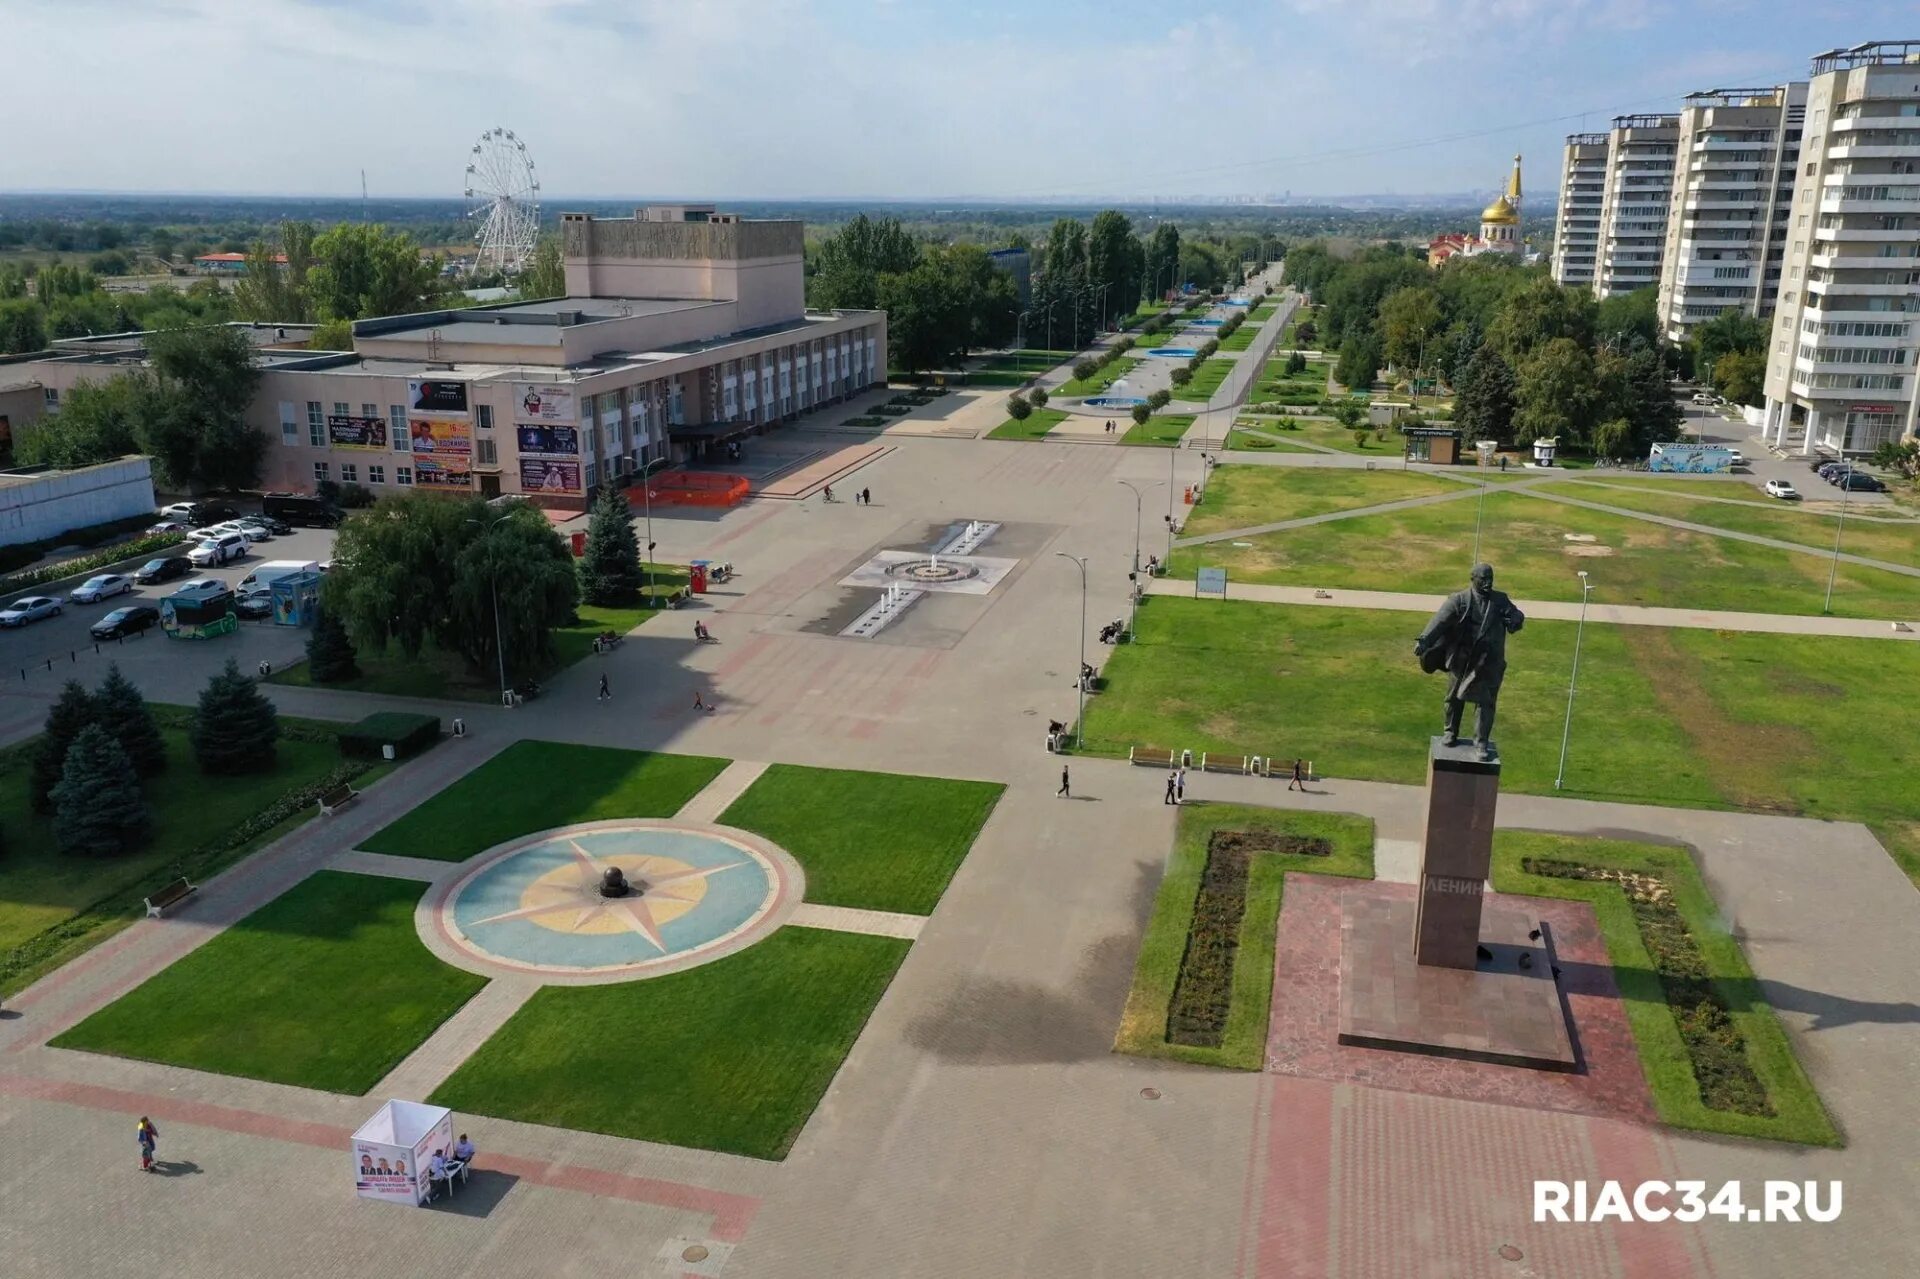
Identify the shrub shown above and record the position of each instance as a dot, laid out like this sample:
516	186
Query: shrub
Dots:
72	714
406	732
330	655
1160	398
135	549
1180	377
1037	397
88	535
234	728
1018	409
354	497
1209	347
1121	347
1084	368
1360	437
1203	990
98	808
1140	414
121	710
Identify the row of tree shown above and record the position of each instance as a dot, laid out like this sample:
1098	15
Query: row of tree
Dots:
348	272
39	305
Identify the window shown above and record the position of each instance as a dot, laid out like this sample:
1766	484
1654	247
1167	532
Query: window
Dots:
349	473
320	475
593	474
376	474
369	410
485	416
484	452
289	423
50	396
316	424
342	409
403	475
397	427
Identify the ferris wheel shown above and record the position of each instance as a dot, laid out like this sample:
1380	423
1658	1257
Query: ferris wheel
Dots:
506	199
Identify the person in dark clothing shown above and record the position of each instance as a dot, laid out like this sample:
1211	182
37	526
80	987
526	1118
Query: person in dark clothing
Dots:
1168	799
1299	777
1065	784
606	693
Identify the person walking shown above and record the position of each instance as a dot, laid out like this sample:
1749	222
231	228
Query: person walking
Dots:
149	1137
1168	799
1180	788
866	497
606	693
698	704
1066	783
1299	777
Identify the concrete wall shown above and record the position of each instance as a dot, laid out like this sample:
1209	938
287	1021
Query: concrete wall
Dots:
42	507
757	265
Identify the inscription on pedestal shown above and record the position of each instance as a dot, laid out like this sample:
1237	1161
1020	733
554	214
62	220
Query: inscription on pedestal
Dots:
1455	855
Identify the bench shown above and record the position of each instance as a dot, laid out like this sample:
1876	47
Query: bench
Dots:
336	799
173	891
1150	757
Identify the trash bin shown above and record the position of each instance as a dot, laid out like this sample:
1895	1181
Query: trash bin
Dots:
697	576
579	541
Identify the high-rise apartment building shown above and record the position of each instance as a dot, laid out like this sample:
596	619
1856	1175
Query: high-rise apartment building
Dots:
1576	226
1731	204
1840	363
1633	202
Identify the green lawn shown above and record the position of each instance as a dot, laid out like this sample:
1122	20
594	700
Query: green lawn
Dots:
1075	388
1035	427
1206	380
440	674
1239	496
731	1056
327	986
1241	338
52	906
1262	312
1631	561
1275	384
1143	1024
533	786
1798	1114
876	841
1159	432
1261	437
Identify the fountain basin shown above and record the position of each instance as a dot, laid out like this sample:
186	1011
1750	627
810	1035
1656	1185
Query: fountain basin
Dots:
1114	401
1180	352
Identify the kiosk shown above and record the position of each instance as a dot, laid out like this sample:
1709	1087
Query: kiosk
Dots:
393	1151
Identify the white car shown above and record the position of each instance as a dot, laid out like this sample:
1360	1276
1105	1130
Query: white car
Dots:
237	528
202	586
1782	490
218	550
1736	458
182	511
95	589
30	609
167	526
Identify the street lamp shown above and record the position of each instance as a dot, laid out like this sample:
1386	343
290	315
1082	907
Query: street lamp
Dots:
1479	512
1080	661
1566	731
1133	610
1020	337
1833	567
493	584
646	497
1170	455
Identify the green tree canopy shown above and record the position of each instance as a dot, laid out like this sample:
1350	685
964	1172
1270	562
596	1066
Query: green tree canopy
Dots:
1741	376
610	570
361	269
72	712
123	712
1483	403
1557	394
545	275
1731	330
234	727
98	809
330	655
1409	319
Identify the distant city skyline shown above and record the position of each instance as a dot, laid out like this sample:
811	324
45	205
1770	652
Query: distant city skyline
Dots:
869	99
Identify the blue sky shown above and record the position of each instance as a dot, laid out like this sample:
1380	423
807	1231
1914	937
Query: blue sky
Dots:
881	98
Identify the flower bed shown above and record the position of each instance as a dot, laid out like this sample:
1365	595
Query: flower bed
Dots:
1203	992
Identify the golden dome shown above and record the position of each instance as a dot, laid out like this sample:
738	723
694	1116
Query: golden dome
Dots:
1500	211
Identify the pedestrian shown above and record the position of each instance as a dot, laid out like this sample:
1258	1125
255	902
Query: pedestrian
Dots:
866	497
1299	777
1180	788
1170	784
1065	784
148	1136
606	693
698	704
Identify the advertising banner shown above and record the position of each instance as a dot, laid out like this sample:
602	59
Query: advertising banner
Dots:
540	476
541	403
549	441
437	399
433	437
381	1171
444	472
357	432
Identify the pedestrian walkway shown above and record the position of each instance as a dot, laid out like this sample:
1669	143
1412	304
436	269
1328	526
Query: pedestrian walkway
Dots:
718	795
1564	611
457	1038
1328	517
846	919
388	866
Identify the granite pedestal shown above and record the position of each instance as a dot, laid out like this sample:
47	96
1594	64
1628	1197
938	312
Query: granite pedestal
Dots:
1456	854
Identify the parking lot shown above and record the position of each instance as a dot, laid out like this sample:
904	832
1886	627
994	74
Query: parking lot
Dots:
39	656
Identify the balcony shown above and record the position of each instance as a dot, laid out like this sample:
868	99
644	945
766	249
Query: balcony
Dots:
1868	151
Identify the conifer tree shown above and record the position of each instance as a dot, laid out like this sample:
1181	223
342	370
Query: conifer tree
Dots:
610	569
234	728
65	722
124	713
98	809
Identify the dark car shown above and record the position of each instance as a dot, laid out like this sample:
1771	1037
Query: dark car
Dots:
205	513
164	570
277	527
257	602
130	620
1860	482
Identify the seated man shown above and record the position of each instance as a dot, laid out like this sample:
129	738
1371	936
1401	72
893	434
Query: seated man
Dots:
463	1150
438	1168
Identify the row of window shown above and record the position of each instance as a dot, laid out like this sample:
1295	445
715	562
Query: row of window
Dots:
1857	381
1853	354
350	473
1857	328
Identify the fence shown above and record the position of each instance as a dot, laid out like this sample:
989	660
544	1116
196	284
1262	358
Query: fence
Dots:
693	488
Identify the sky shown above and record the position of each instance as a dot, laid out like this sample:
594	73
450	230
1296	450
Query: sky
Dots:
883	99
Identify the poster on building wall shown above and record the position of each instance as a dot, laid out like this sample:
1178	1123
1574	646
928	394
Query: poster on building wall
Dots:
436	399
442	472
549	441
537	475
543	403
357	432
437	438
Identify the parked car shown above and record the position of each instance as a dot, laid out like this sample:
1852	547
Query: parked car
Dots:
1860	482
167	526
104	586
1736	458
218	550
30	608
202	586
212	512
1782	490
277	527
233	526
130	620
1702	397
257	602
182	511
1827	470
300	508
164	569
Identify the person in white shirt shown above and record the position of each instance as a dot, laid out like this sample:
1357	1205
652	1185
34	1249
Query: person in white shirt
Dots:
463	1150
438	1168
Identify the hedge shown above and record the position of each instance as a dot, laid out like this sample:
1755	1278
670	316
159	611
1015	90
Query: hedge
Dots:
407	732
136	549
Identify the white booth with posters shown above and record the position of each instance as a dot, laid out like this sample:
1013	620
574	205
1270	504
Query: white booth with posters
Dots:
393	1151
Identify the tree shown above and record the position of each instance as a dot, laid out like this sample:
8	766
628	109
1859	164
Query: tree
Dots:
545	275
123	712
22	326
1017	407
1613	439
1538	314
847	269
393	569
331	335
1180	376
1557	393
1113	260
1741	376
1627	320
361	269
98	809
1409	318
196	428
1359	361
520	566
98	421
1646	400
1484	398
1141	413
1901	457
610	570
275	289
72	713
926	316
1038	397
1162	260
234	727
330	655
1349	414
1731	330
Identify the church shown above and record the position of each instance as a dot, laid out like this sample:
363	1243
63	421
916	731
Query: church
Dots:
1499	229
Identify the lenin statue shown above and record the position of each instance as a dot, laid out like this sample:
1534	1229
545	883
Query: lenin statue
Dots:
1467	638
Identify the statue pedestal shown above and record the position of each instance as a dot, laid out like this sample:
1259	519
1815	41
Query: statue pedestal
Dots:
1456	854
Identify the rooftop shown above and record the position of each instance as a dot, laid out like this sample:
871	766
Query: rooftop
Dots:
1874	53
535	323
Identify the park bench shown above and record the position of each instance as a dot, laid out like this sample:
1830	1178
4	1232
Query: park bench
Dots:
1150	757
336	799
173	891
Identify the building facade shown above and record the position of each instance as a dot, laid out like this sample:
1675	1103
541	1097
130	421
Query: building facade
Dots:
1634	202
682	329
1576	223
1499	229
1840	363
1731	204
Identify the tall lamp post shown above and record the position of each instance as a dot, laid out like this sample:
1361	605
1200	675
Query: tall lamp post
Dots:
1833	568
646	496
493	584
1080	658
1566	731
1133	608
1170	487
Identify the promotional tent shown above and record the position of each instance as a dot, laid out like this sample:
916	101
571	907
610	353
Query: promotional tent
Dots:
393	1151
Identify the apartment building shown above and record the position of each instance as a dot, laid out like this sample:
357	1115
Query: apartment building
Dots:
1732	201
1634	202
1576	226
1840	367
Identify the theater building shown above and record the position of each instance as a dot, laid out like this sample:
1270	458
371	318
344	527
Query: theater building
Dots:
682	329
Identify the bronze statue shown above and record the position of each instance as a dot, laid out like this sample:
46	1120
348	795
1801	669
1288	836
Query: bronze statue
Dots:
1467	638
